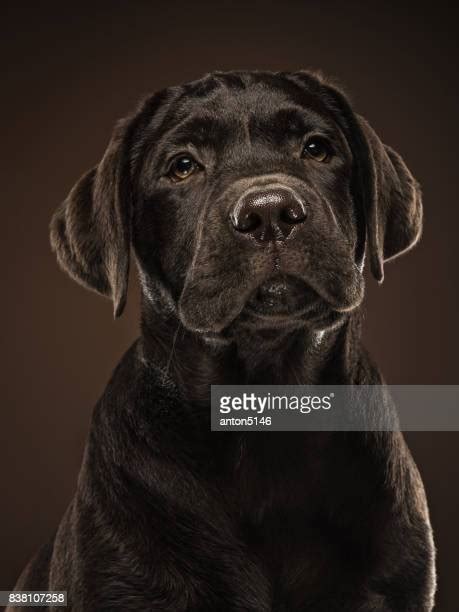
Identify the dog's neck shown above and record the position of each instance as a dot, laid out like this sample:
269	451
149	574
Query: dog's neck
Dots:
195	362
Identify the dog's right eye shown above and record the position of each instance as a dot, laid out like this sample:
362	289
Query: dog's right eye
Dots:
182	167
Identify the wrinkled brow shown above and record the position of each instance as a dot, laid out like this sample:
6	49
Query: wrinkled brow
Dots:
199	130
294	121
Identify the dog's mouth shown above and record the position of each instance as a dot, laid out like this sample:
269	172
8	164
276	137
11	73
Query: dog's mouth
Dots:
293	289
282	296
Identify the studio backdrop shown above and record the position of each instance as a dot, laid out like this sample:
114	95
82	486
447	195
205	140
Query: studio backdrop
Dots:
69	72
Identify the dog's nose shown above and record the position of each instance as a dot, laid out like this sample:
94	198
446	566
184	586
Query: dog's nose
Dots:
268	214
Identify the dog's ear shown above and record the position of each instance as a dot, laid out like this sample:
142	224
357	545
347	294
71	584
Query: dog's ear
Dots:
90	231
388	194
393	207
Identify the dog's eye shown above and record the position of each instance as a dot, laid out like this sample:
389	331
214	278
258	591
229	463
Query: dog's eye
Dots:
318	149
182	167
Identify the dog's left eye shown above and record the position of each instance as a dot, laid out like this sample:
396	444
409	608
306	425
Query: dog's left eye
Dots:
318	149
182	167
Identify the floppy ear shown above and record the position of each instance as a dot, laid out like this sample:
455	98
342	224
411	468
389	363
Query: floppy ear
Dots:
90	231
388	195
393	206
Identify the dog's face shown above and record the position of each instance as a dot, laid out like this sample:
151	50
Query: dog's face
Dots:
248	198
244	207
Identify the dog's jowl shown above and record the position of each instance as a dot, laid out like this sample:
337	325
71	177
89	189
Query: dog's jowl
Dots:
251	203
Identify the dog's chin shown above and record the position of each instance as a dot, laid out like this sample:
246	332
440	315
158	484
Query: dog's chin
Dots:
282	296
286	302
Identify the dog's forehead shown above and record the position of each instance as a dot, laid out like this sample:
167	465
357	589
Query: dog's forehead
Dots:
219	101
243	93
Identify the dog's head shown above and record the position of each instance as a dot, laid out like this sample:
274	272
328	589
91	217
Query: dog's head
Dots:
249	199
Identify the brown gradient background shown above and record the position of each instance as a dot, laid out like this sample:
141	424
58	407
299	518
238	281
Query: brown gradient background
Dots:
67	77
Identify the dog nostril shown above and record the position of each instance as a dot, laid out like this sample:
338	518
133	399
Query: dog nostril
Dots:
246	223
292	215
268	214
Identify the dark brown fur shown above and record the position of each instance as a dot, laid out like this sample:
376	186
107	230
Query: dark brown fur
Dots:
168	516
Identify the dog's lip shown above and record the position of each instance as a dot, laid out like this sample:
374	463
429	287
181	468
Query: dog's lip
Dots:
254	320
282	320
283	315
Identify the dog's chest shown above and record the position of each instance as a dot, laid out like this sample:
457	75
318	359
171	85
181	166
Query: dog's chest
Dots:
278	495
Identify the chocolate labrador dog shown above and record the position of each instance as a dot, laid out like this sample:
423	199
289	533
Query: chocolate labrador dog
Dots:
250	201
